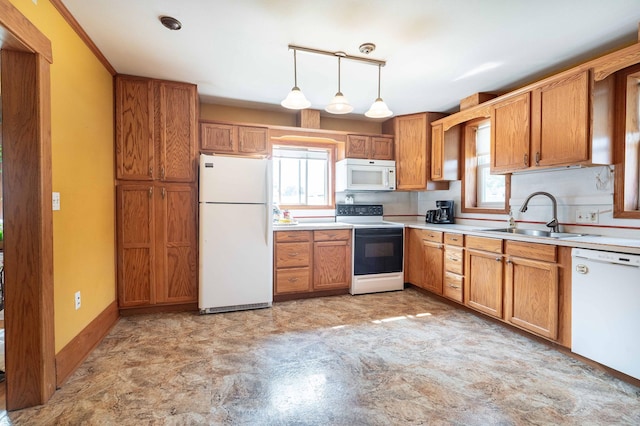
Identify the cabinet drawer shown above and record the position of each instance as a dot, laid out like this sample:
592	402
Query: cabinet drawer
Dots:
292	280
544	252
493	245
453	259
332	235
293	236
292	254
453	286
433	236
454	239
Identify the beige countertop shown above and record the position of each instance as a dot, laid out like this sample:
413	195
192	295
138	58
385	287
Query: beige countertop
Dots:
594	242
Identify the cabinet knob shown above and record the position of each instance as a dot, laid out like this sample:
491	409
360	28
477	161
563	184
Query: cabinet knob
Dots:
509	261
498	259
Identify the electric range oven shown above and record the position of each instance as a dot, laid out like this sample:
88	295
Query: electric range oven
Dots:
377	249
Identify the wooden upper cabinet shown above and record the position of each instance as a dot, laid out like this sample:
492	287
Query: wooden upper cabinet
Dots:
227	138
369	147
218	137
252	140
445	152
412	146
156	130
437	152
177	131
510	134
560	119
134	111
357	147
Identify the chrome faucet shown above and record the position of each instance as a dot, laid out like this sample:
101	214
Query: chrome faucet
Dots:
553	224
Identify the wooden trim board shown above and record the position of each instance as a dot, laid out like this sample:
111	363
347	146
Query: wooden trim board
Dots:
77	350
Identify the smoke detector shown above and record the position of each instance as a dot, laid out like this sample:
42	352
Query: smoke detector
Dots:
367	48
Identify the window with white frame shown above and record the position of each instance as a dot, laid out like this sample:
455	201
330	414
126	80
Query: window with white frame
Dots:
302	176
482	192
490	188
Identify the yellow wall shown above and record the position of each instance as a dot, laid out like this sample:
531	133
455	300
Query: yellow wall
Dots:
83	172
284	118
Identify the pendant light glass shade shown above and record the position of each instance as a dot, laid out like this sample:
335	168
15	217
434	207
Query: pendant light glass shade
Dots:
295	99
339	104
378	109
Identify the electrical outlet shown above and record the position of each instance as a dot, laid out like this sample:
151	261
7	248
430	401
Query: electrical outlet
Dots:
586	216
77	299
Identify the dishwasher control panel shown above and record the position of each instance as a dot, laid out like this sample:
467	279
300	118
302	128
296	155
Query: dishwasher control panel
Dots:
606	256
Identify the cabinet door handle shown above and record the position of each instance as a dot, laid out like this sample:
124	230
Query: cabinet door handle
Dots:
151	171
526	160
498	259
293	254
509	261
150	191
293	280
538	158
453	259
162	172
454	286
454	239
163	193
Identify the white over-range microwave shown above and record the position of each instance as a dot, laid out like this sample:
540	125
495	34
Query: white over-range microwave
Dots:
353	174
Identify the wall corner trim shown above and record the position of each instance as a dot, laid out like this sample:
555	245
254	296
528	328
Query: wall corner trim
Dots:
78	349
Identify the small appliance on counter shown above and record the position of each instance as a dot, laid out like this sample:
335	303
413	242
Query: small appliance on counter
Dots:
444	213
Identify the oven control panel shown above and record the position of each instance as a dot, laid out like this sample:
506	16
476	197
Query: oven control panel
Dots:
358	209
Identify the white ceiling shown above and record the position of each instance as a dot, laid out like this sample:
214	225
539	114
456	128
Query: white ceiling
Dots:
437	51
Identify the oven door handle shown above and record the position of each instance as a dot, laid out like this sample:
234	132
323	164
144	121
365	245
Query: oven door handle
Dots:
378	232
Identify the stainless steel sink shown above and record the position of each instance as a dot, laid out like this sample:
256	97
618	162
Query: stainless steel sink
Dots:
535	233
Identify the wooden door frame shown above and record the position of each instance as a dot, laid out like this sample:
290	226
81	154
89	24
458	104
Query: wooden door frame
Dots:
28	249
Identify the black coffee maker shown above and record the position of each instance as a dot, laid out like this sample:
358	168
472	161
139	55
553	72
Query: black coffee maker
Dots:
444	212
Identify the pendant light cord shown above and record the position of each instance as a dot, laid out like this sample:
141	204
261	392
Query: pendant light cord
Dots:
379	81
295	70
339	74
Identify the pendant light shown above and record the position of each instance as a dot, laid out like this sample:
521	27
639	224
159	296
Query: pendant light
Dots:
295	99
339	104
378	109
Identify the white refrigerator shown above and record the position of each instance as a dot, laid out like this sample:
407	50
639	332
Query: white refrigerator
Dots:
235	238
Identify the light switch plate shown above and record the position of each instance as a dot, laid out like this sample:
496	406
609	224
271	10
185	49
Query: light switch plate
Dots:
56	200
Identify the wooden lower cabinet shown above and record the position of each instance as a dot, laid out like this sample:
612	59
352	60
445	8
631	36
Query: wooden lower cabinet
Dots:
424	266
433	266
484	266
454	267
312	261
525	284
531	287
157	244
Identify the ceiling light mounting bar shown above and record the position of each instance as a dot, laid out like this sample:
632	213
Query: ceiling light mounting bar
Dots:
338	54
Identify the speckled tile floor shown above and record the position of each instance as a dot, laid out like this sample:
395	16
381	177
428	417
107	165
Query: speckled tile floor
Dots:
380	359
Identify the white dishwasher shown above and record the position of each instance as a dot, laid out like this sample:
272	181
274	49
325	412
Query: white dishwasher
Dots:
605	303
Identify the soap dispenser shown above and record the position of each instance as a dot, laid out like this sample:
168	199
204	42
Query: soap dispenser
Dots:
511	223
